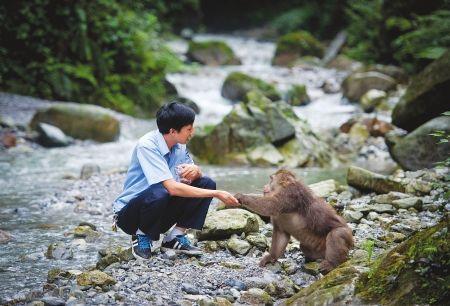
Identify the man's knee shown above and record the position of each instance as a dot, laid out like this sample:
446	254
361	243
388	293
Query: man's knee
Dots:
207	183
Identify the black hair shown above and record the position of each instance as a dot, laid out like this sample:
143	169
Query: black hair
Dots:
174	115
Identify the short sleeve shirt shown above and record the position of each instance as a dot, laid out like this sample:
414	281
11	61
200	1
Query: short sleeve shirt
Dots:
151	162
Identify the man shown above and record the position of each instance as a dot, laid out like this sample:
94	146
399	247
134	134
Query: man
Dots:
164	187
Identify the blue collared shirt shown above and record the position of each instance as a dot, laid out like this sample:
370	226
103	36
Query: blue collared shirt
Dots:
151	162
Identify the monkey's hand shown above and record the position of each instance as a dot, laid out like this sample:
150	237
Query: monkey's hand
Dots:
267	258
239	197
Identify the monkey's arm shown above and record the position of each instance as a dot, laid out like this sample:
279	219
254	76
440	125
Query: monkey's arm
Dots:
265	206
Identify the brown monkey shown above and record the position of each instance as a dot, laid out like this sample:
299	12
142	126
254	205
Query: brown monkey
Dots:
296	211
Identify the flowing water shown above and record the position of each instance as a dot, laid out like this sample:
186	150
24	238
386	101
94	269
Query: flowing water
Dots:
32	181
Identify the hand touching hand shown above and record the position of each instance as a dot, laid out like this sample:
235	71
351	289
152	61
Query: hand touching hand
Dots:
189	172
227	198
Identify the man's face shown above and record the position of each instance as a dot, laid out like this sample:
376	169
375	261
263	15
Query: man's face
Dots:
185	134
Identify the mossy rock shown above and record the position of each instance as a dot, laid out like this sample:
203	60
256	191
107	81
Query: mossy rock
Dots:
95	278
419	149
358	83
293	46
297	96
81	121
212	53
415	272
238	84
426	97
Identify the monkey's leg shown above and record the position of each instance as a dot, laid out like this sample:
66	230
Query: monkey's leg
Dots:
337	247
280	240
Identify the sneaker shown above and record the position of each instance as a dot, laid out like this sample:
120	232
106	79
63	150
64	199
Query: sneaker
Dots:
181	244
141	246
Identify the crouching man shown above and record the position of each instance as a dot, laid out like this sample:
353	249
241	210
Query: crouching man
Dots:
164	187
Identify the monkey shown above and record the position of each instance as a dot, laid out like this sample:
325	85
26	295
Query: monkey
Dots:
296	211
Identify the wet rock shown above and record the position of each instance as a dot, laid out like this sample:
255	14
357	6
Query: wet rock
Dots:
379	208
224	223
189	288
59	251
89	170
239	285
85	231
406	203
82	121
367	180
95	278
255	296
265	155
418	149
390	197
293	46
258	240
5	237
212	53
393	237
282	288
426	96
358	83
53	301
297	96
260	282
238	246
237	85
51	136
371	99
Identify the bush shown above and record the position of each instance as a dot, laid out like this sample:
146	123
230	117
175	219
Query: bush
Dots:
102	52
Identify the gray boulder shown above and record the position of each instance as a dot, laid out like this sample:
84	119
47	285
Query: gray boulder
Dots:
427	97
357	84
81	121
59	251
51	136
419	149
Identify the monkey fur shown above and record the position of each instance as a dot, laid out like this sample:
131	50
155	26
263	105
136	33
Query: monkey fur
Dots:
295	211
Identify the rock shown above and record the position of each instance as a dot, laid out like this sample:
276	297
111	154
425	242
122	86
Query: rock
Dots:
282	288
358	83
59	251
189	288
371	99
367	180
352	216
258	240
264	156
379	208
294	154
406	203
224	223
212	53
375	126
189	103
89	170
238	246
342	62
171	90
297	96
426	96
255	296
393	237
419	149
260	282
311	268
221	301
293	46
237	85
397	73
53	301
170	255
80	121
51	136
85	232
359	133
289	266
239	285
412	273
9	140
324	188
231	265
331	86
5	237
390	197
95	278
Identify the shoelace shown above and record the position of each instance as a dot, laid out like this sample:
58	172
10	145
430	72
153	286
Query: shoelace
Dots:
184	240
144	242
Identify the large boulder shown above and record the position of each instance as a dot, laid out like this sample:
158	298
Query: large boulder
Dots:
80	121
426	97
358	83
265	124
212	53
419	149
293	46
297	96
238	84
223	224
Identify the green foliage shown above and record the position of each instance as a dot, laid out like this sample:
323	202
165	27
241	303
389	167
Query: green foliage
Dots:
387	32
368	245
104	52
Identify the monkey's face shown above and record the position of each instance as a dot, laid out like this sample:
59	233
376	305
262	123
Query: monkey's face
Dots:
272	187
278	182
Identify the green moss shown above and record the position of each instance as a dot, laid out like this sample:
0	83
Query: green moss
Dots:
415	272
238	84
212	53
295	45
297	95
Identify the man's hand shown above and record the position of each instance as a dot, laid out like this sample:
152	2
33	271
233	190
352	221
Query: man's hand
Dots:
227	198
190	172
